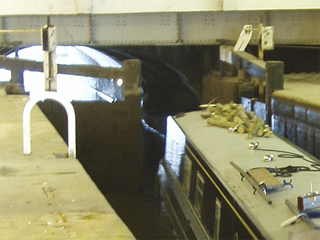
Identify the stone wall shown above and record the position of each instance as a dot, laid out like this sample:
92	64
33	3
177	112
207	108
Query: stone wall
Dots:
298	122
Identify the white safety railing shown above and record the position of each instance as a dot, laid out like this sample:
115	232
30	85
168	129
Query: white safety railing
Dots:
71	122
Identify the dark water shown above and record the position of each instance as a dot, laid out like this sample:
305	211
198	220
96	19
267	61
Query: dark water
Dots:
145	216
144	213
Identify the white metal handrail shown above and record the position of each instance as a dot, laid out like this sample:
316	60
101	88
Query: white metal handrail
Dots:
71	122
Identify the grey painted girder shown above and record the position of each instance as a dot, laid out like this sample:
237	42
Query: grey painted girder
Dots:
199	28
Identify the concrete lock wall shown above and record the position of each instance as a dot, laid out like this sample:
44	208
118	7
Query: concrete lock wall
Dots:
109	140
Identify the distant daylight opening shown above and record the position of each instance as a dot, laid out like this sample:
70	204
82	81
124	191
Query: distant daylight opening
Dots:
74	88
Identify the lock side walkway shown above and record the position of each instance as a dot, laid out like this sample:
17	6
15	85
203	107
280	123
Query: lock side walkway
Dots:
46	195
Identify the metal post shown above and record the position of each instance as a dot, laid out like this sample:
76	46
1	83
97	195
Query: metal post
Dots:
260	56
49	44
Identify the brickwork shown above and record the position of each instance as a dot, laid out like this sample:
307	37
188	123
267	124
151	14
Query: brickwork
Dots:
279	125
299	123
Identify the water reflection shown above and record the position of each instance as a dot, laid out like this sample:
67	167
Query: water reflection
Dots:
175	145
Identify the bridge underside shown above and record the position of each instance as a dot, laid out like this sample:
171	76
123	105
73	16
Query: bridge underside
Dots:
166	28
